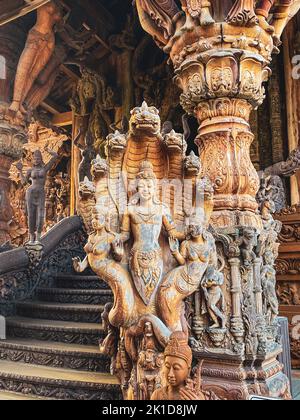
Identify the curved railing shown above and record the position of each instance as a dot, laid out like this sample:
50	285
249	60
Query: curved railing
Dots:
22	270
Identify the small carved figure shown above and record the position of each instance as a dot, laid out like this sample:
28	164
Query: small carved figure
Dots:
86	203
248	243
194	257
267	210
268	277
36	55
211	286
178	364
35	195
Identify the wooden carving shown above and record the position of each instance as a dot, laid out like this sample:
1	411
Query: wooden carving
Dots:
221	65
38	51
128	246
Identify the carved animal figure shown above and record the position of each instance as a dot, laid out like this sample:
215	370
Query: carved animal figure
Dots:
145	143
87	203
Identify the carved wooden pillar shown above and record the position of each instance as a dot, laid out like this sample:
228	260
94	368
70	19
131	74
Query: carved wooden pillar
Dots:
221	85
221	67
12	134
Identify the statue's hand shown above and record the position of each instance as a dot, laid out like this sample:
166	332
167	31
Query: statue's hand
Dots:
77	264
174	245
19	166
51	152
118	248
190	395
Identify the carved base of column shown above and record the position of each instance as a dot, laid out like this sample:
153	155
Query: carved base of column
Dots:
235	379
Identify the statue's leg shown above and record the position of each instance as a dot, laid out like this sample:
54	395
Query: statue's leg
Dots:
170	301
40	220
262	10
32	218
281	17
213	314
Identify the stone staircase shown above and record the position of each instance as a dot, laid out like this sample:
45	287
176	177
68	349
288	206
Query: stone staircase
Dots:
52	350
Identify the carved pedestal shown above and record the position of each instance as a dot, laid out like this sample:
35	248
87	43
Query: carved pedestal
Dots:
288	277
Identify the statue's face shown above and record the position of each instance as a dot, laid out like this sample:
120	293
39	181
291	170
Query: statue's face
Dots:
98	222
146	189
195	231
37	159
177	371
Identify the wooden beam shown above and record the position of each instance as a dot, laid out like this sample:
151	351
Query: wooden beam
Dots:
28	7
68	72
63	120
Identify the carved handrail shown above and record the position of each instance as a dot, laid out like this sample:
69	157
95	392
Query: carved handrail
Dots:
24	269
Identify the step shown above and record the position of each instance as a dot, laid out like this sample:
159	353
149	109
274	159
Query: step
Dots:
62	384
85	297
14	396
62	355
61	311
71	281
59	331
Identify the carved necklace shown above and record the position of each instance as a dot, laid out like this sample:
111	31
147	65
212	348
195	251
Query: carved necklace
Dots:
197	248
146	217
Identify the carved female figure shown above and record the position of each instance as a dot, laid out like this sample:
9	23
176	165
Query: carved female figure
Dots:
194	257
35	195
211	286
268	277
37	53
103	256
144	219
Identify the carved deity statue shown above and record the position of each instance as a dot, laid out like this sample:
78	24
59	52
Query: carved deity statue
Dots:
35	195
145	218
103	256
194	256
132	254
178	364
38	51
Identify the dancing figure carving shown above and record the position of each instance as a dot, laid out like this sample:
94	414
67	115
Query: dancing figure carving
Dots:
35	194
194	257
